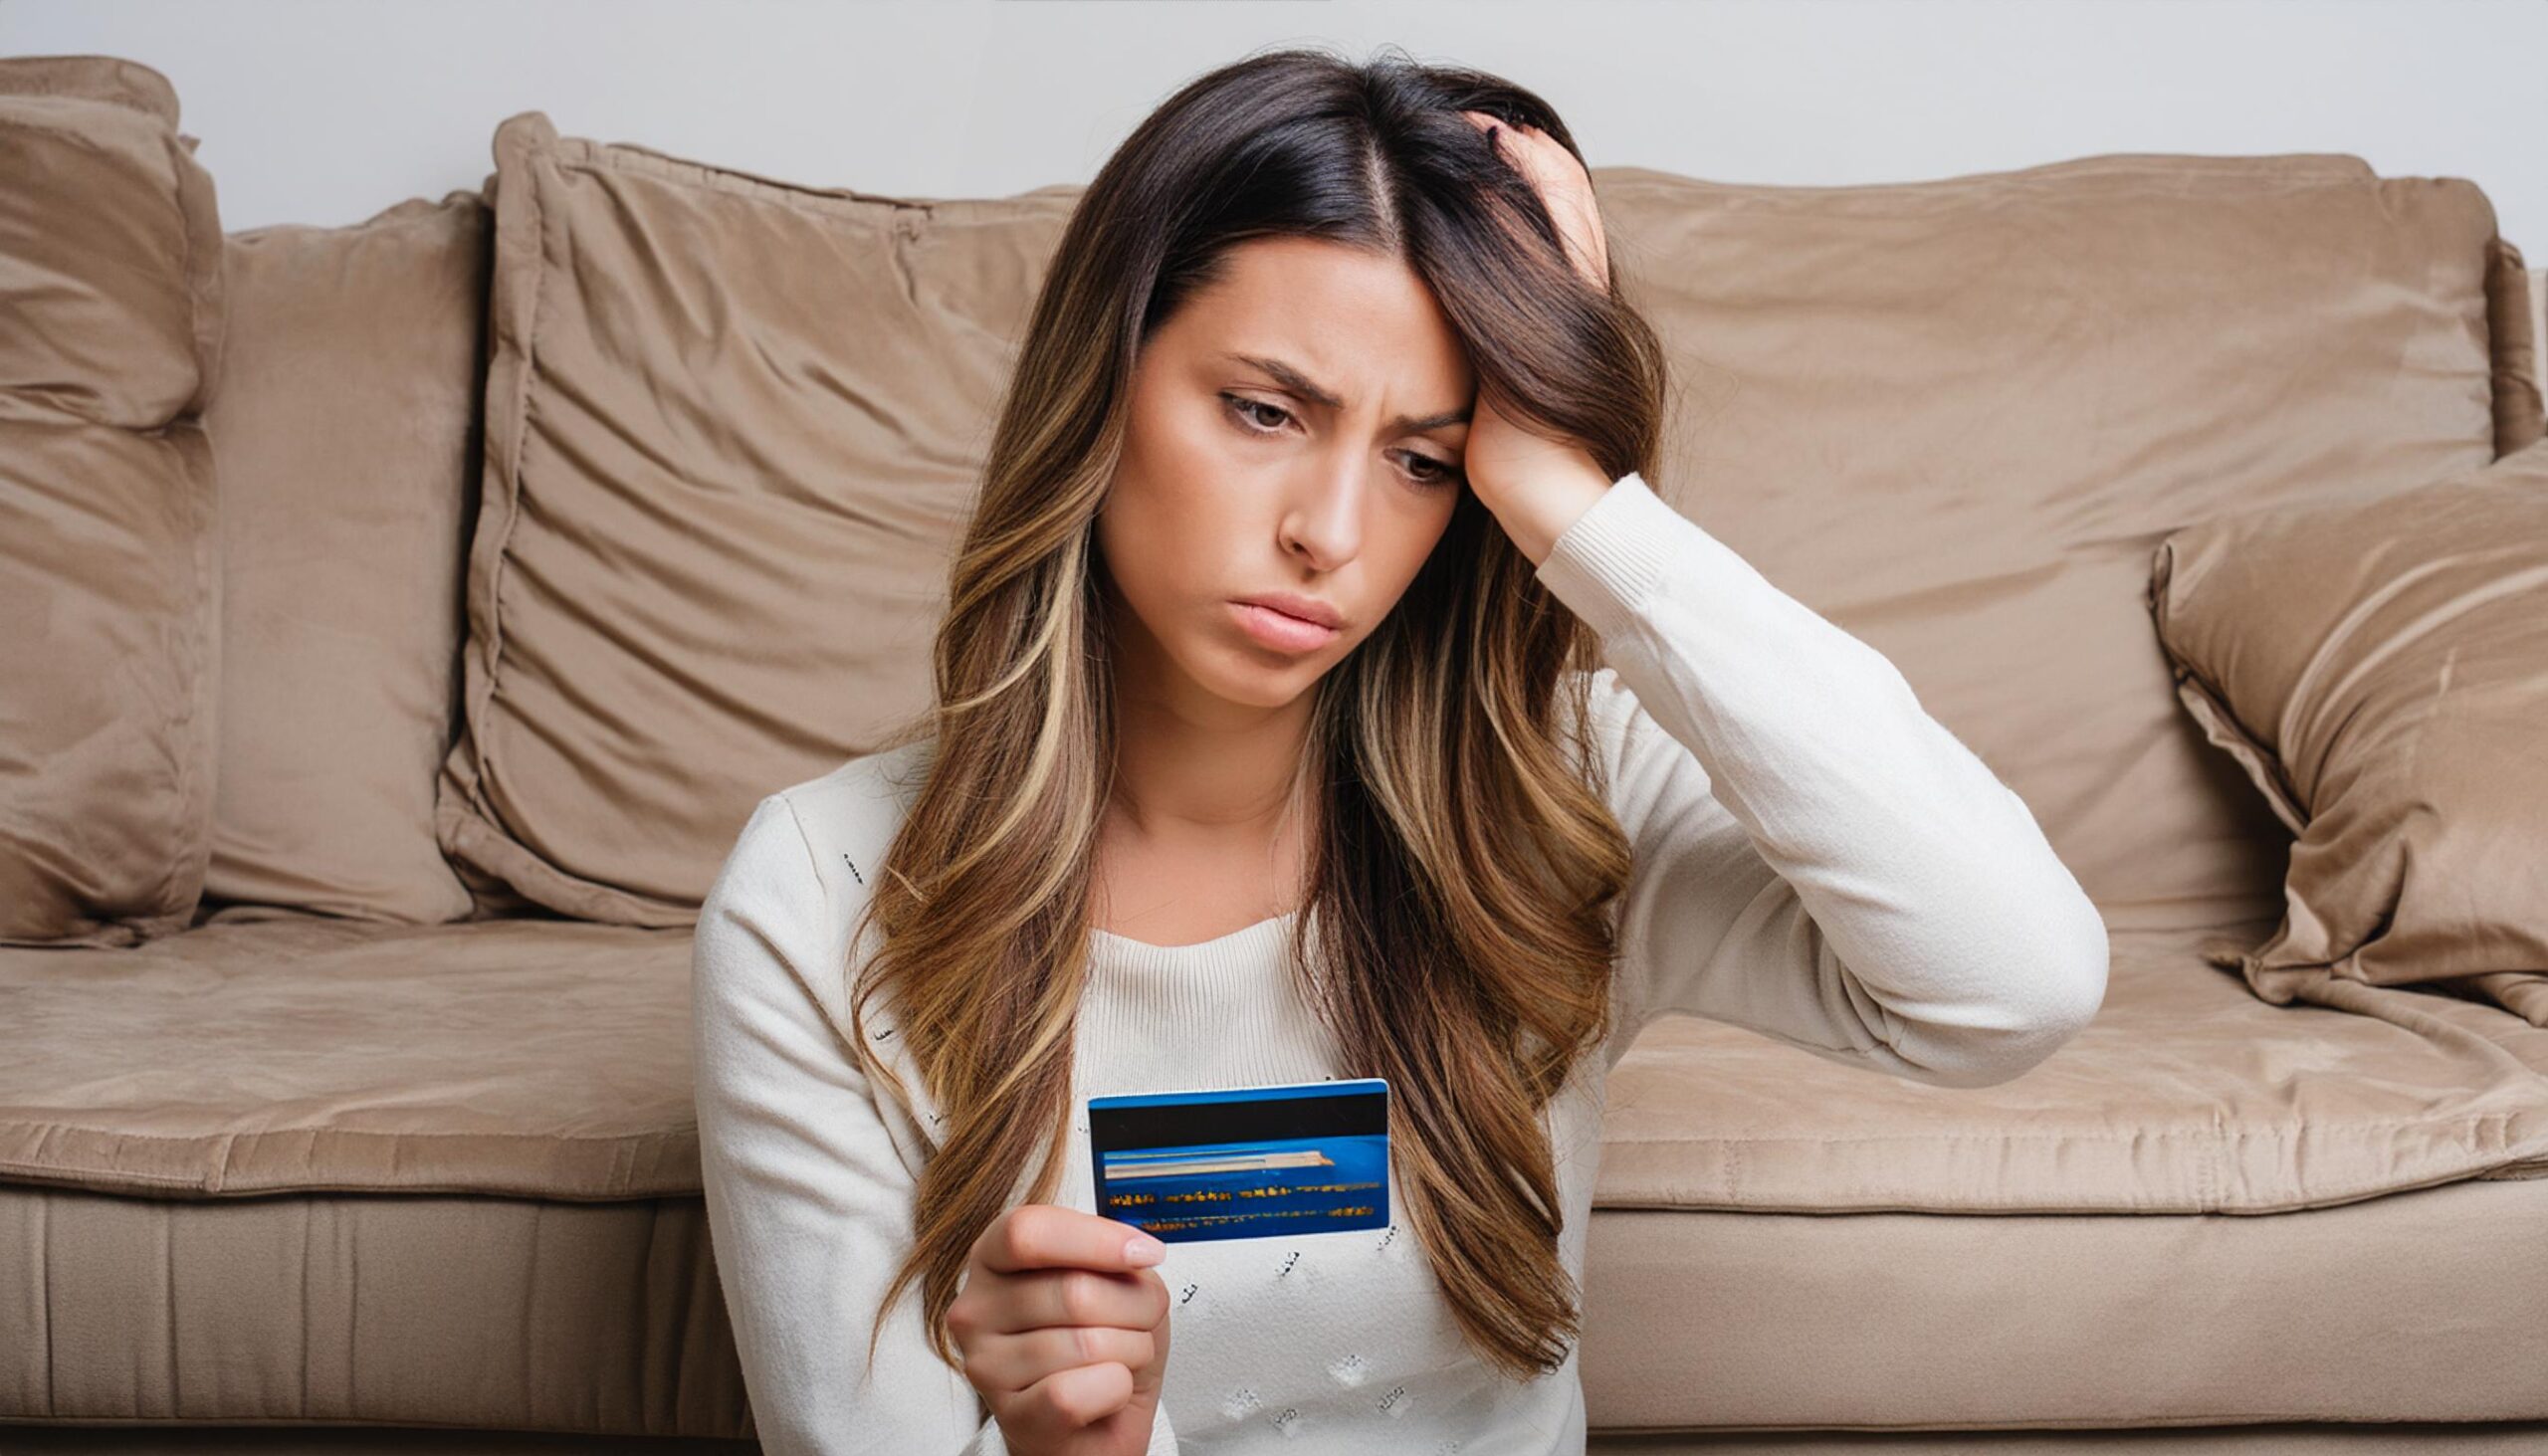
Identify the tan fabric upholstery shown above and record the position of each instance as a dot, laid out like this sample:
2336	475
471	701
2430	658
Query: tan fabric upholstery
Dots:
339	1169
733	429
420	1309
2402	1308
1956	416
2538	291
607	1318
2380	670
541	1058
549	1059
2512	324
347	433
2003	458
2185	1094
110	262
522	1088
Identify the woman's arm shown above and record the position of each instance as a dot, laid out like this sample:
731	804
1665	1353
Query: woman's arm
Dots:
1816	859
809	1201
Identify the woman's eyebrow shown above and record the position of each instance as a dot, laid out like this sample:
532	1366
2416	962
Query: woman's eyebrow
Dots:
1301	384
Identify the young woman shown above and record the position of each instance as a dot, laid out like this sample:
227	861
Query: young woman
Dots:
1322	693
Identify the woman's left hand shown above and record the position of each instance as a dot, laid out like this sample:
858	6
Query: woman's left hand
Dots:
1534	486
1564	188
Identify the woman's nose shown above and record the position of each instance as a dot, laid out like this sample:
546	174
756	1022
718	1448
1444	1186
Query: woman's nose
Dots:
1323	517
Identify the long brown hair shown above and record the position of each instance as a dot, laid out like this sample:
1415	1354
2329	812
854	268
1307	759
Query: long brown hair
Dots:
1464	858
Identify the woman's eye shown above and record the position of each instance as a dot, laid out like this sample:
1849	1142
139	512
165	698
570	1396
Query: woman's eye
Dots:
1427	469
1242	405
1433	471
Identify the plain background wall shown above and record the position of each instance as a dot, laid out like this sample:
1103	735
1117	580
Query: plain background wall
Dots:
327	112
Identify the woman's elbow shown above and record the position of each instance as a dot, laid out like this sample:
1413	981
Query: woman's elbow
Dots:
2059	987
2081	953
2066	994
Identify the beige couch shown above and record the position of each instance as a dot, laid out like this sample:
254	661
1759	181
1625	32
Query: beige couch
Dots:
401	619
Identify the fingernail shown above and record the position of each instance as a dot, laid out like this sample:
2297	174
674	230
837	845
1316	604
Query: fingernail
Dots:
1142	1249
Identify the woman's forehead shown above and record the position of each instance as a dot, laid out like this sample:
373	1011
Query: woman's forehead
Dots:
1359	326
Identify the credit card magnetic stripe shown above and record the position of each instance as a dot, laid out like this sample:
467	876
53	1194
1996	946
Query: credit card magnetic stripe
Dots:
1244	1161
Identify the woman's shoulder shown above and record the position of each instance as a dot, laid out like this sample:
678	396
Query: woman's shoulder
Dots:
805	863
773	947
849	814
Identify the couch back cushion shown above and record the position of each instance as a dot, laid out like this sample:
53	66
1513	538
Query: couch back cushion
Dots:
2512	327
1956	417
733	432
110	262
733	428
346	429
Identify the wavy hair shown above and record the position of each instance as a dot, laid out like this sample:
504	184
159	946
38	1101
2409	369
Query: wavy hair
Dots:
1463	859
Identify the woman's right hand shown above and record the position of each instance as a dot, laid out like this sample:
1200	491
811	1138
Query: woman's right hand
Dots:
1064	1330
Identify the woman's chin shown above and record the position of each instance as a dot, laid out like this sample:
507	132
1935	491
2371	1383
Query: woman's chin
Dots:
1254	676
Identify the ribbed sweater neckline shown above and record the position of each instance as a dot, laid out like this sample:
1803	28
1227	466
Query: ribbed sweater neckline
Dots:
1248	946
1150	1007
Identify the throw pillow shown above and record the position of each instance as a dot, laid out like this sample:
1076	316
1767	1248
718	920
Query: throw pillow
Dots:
733	430
348	434
2380	670
110	265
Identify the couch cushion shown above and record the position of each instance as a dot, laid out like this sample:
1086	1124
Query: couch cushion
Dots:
733	430
2186	1095
347	432
525	1314
110	260
422	1309
542	1057
546	1060
2419	1306
549	1057
1955	417
1952	415
2513	329
1720	1292
2380	672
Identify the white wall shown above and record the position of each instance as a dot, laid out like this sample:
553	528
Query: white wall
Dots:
327	111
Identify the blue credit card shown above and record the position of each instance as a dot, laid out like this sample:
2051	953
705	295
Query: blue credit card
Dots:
1244	1162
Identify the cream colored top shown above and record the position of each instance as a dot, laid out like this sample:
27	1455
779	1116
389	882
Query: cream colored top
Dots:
1816	859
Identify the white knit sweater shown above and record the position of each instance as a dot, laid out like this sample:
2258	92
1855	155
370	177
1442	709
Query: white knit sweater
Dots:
1816	859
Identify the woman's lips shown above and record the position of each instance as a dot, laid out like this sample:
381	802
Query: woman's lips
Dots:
1280	630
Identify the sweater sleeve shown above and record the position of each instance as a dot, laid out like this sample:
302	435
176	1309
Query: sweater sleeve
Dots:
809	1200
1815	858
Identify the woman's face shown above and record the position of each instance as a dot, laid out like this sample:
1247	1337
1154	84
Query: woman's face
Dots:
1295	428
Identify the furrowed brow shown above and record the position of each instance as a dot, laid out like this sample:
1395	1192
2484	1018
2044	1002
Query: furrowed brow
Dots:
1302	385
